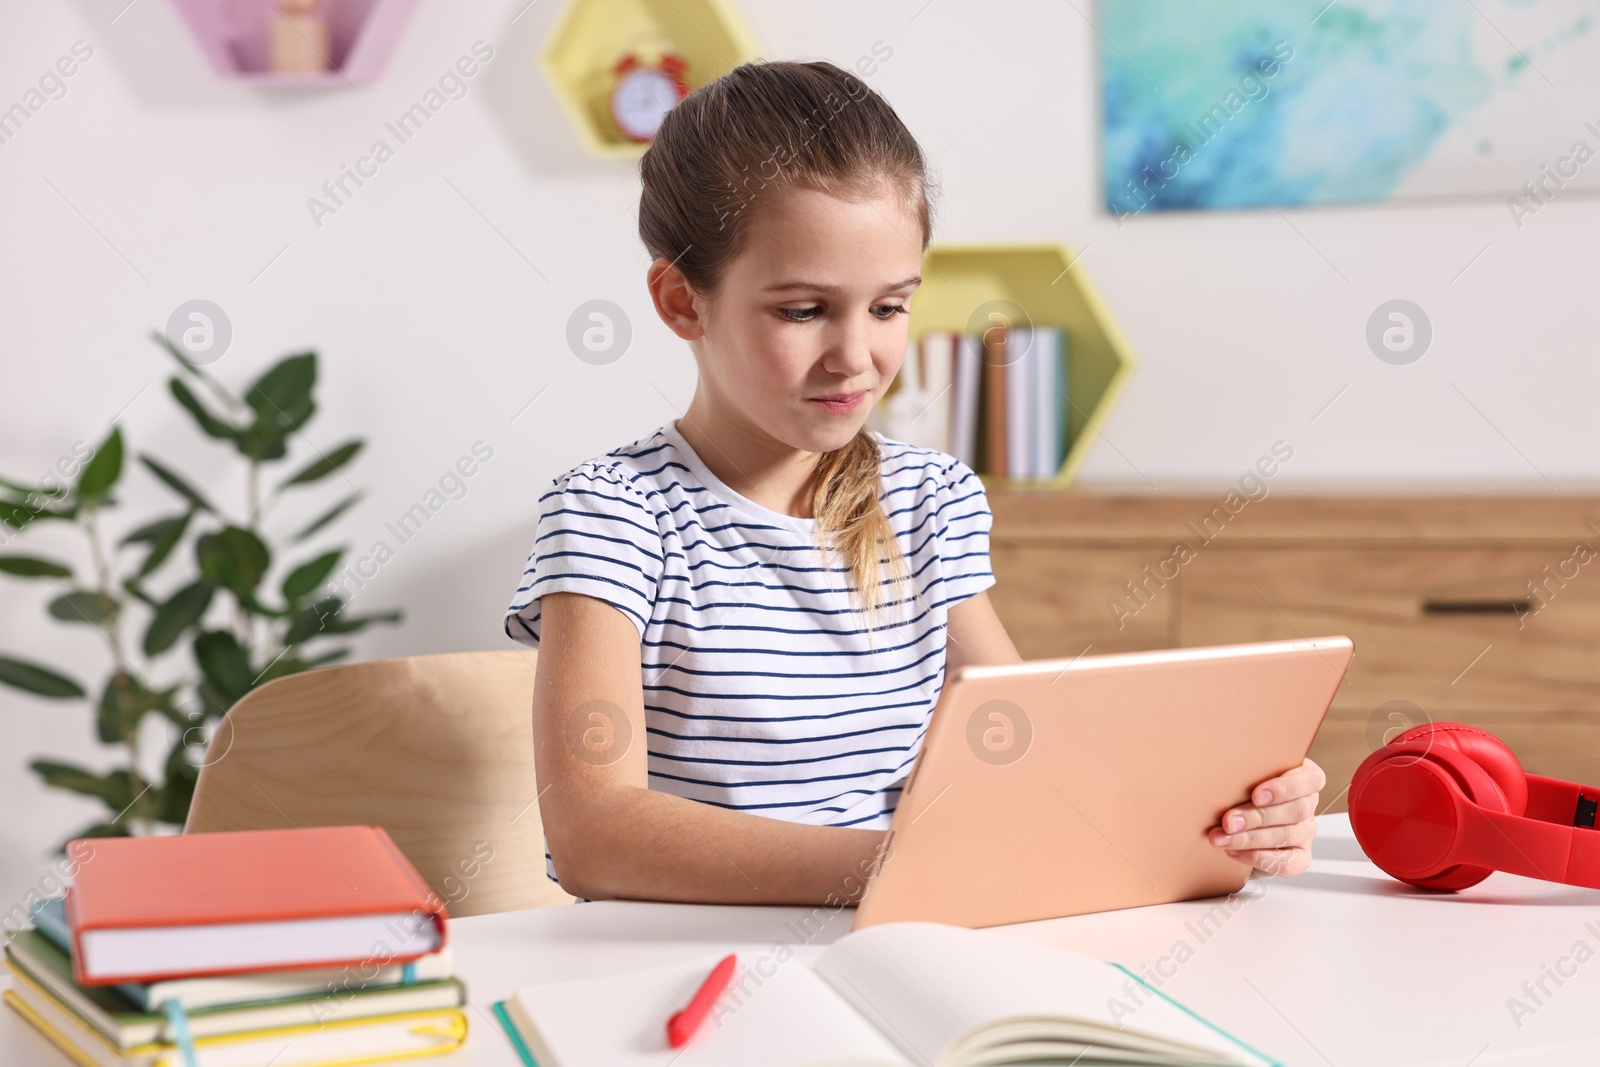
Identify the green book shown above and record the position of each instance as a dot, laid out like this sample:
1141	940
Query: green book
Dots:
125	1025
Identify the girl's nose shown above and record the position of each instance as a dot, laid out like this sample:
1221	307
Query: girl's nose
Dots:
849	352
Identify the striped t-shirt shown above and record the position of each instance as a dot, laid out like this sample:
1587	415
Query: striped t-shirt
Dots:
763	692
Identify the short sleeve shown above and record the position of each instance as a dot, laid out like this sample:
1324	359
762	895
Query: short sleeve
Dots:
962	520
597	535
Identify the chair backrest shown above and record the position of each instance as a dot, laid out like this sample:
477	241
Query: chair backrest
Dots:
437	750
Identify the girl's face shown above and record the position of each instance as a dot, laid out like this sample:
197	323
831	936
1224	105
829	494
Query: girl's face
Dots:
810	324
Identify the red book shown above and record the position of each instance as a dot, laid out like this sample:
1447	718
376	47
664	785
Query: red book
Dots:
148	908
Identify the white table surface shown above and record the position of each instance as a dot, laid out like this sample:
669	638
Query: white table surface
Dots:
1338	966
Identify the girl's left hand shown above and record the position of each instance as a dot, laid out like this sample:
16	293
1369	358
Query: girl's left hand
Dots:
1273	833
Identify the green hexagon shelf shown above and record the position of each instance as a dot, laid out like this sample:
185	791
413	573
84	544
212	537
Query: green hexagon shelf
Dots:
590	36
1052	288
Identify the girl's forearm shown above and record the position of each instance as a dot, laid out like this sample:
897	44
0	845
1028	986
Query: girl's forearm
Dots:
644	844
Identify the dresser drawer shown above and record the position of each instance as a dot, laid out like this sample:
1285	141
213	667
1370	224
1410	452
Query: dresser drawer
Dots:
1433	626
1053	600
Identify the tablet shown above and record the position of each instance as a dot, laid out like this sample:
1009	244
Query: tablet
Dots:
1059	787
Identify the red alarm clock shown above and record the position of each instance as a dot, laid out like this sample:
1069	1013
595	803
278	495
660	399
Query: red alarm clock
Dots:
648	86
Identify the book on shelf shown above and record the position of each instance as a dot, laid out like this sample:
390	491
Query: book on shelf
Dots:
996	401
892	995
1048	392
964	400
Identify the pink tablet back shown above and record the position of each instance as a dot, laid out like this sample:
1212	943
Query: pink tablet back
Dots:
1059	787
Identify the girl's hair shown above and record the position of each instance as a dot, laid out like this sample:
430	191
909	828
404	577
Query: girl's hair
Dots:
748	134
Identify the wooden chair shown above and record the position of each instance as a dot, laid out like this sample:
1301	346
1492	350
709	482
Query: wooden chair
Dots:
437	750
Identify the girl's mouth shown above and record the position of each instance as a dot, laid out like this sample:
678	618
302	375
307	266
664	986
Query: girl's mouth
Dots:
840	403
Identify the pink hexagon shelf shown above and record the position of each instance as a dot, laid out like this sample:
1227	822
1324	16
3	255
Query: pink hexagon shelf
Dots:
234	35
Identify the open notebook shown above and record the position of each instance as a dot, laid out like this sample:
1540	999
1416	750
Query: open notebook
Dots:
896	995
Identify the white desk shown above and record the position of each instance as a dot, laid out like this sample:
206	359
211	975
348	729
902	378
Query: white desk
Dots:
1339	966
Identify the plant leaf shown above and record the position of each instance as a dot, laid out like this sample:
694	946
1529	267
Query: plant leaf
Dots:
225	664
326	465
234	558
41	681
115	788
266	439
163	536
123	704
162	340
213	705
349	624
181	611
18	487
150	531
309	620
82	605
17	514
103	469
176	483
33	567
177	788
292	664
304	579
328	516
212	425
132	587
327	617
283	393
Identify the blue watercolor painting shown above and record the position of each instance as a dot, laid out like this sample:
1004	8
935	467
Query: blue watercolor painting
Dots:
1217	104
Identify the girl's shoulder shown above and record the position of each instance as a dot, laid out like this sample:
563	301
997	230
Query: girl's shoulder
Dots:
916	467
634	468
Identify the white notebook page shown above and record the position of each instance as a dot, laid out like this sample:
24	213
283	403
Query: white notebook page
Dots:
776	1014
928	984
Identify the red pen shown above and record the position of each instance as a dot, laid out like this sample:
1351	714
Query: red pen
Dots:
683	1024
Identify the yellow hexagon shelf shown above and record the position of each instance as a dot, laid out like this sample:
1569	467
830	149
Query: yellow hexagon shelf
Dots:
1051	289
591	36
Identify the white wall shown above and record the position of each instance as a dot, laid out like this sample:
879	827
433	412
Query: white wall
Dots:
438	297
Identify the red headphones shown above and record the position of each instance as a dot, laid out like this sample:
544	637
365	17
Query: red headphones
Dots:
1444	804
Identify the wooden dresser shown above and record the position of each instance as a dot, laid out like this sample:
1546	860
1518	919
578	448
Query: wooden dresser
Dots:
1484	610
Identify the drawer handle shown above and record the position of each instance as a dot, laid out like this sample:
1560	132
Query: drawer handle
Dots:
1475	607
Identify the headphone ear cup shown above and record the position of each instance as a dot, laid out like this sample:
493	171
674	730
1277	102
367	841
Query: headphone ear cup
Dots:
1402	814
1484	749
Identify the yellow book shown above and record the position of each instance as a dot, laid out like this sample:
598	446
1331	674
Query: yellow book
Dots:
333	1044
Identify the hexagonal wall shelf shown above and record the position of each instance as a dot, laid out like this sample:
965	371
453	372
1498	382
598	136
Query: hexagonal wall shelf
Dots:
591	36
234	35
1047	283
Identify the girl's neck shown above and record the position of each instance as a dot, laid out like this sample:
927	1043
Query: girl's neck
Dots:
752	464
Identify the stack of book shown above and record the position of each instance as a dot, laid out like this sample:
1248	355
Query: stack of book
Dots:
997	401
289	948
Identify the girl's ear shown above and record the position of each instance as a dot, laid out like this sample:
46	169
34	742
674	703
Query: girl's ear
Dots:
675	300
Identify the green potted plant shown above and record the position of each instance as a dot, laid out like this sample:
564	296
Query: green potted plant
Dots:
240	630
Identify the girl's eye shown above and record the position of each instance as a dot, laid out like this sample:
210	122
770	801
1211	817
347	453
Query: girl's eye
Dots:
885	312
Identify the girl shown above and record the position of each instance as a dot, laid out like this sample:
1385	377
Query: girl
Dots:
745	618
